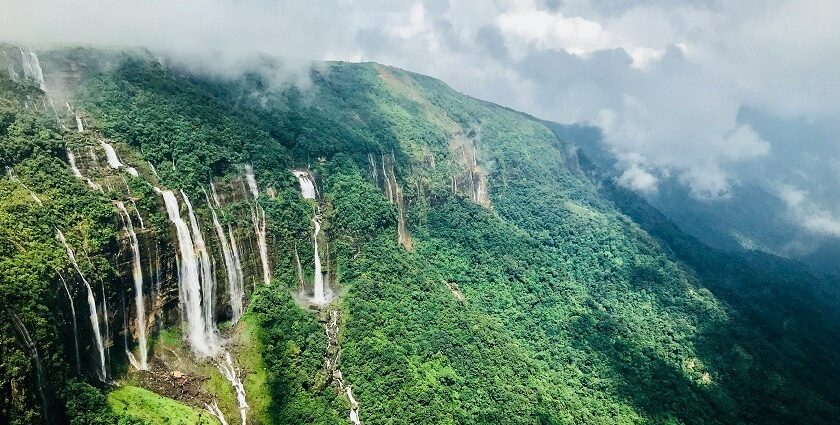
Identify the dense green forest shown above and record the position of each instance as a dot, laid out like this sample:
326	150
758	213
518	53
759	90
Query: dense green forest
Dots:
483	270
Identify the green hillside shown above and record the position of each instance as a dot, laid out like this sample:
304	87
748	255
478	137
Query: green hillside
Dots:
482	272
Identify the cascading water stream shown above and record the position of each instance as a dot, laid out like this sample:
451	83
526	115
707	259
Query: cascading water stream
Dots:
32	69
214	410
71	159
114	160
319	295
75	325
236	284
307	185
139	300
208	279
94	316
39	365
307	190
230	373
203	342
258	217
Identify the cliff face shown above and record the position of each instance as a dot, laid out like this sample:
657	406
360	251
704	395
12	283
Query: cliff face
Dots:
374	247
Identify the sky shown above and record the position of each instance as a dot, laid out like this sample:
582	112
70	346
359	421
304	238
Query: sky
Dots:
711	93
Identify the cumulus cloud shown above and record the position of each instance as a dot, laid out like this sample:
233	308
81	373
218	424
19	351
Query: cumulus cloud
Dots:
668	81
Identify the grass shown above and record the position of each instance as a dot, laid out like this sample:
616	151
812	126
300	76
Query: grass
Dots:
152	408
247	356
255	382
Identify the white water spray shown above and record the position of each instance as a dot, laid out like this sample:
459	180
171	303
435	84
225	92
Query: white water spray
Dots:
258	217
307	185
94	317
319	295
233	269
32	67
71	159
75	326
202	339
208	279
114	159
214	410
139	301
232	375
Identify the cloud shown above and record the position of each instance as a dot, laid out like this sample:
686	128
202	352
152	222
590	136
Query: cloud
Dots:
636	178
808	214
667	80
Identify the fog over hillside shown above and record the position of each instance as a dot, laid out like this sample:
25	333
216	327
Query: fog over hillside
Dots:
697	89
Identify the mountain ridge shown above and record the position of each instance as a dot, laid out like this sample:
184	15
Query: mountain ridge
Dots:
569	310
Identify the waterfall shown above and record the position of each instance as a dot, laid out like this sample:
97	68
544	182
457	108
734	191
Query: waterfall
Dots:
154	170
39	366
354	407
387	181
105	317
373	170
234	249
307	185
395	195
139	301
258	217
32	67
91	299
319	295
214	410
230	373
204	343
299	267
331	365
75	326
71	159
208	280
307	190
114	160
79	126
235	281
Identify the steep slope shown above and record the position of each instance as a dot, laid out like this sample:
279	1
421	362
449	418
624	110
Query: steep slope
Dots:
752	218
478	272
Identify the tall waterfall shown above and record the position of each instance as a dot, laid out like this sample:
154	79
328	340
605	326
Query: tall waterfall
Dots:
202	340
236	284
75	325
114	160
80	127
32	67
307	190
41	377
319	295
94	317
139	300
208	279
307	185
258	217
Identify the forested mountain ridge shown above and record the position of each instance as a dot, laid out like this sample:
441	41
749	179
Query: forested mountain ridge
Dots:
432	259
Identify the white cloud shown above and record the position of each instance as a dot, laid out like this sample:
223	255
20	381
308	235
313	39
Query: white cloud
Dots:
638	179
666	79
806	213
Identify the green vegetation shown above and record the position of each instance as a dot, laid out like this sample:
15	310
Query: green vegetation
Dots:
293	346
580	305
153	409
